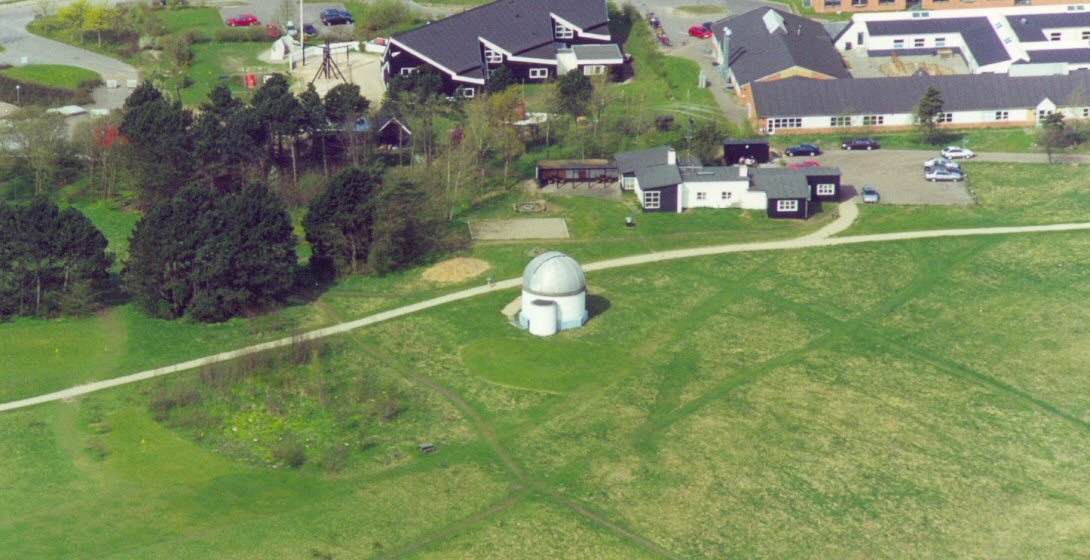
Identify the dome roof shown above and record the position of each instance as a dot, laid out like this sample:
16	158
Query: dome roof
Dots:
554	274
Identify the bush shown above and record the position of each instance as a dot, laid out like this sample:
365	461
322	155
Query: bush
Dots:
289	452
243	35
167	399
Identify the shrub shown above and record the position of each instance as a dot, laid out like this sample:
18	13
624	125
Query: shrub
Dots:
167	399
289	452
243	35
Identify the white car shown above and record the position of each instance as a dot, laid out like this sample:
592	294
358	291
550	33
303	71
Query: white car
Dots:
941	162
957	152
870	195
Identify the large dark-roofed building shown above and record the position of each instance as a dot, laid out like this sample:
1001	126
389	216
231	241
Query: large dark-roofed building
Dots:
770	44
532	38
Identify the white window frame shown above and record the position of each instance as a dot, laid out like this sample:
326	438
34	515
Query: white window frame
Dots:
940	42
944	118
826	189
843	120
407	71
919	43
1085	34
701	195
1086	112
539	73
787	205
594	69
786	122
652	200
1002	115
1055	36
563	31
898	43
469	92
492	57
873	120
725	195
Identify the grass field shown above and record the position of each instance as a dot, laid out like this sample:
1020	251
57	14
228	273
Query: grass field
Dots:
903	400
52	75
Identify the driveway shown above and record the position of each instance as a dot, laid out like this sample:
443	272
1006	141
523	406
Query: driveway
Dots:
19	43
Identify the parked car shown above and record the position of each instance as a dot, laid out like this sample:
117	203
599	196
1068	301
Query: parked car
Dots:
805	163
333	16
700	32
803	150
943	174
957	152
309	31
243	20
941	162
861	144
870	195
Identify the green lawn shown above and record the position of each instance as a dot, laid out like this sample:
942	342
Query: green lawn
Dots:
222	64
902	400
52	75
206	20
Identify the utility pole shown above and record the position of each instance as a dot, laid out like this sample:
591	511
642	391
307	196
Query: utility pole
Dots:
299	28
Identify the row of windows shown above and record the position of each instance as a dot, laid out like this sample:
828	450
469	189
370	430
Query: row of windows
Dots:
785	122
1058	36
919	43
701	195
856	3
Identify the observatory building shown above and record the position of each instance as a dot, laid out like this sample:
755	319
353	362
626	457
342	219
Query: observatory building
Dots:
554	295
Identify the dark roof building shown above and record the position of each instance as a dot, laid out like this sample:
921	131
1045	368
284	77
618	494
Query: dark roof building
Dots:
767	42
629	162
536	39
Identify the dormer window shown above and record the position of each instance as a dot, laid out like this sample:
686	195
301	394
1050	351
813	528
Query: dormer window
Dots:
492	57
563	31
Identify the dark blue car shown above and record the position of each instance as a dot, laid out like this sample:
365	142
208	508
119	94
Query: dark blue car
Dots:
333	16
803	150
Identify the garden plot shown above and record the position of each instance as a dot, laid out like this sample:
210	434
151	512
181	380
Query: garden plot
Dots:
511	230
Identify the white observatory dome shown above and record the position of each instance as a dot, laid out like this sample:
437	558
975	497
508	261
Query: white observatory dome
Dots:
554	295
554	274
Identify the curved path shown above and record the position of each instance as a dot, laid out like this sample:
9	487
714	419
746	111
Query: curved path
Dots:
818	239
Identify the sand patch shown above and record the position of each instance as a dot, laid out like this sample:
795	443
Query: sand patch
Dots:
456	270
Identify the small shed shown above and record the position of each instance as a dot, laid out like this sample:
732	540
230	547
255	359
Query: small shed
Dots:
557	171
735	151
392	133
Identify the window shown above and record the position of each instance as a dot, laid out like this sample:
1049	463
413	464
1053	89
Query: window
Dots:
1085	35
1002	115
944	118
563	31
832	3
885	1
787	206
871	120
859	3
702	196
921	14
1055	36
940	41
468	92
1007	41
840	121
898	43
1076	8
651	200
539	73
1043	114
826	189
725	195
1085	112
919	42
407	71
785	122
492	57
594	69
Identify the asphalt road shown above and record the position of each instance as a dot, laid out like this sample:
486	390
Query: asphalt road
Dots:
18	43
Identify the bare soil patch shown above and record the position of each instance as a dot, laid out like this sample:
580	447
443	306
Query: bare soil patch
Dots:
456	270
526	228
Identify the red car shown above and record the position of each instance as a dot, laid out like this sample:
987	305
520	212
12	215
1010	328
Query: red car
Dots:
243	20
807	163
700	32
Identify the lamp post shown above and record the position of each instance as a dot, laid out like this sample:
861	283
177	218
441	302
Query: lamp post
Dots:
18	97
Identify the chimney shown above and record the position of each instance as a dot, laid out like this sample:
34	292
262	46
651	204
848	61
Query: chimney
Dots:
671	156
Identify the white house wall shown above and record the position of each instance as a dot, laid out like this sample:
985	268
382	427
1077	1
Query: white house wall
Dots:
717	194
754	200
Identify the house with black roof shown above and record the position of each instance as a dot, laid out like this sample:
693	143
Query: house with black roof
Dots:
664	184
768	44
802	105
535	39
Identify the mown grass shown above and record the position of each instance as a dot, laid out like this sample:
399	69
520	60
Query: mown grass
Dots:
902	400
1007	194
52	75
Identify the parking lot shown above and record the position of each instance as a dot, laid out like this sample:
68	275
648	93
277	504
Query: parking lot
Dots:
897	174
269	12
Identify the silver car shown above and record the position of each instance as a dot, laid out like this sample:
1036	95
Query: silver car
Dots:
941	162
943	174
870	195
